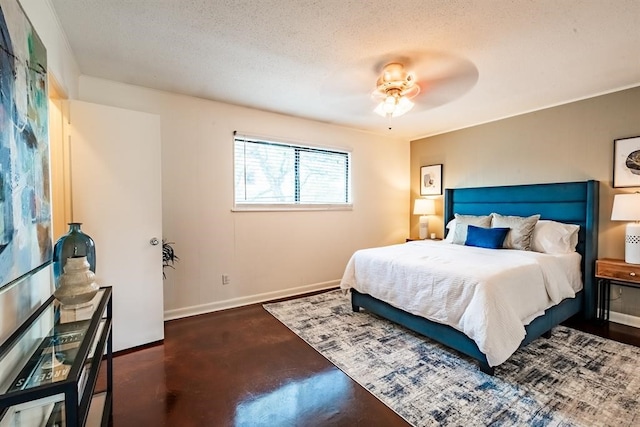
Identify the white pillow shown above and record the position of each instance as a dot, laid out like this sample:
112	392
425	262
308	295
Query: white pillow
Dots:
450	231
521	230
553	237
463	221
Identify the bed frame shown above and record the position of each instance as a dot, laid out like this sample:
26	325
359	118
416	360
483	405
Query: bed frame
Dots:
570	202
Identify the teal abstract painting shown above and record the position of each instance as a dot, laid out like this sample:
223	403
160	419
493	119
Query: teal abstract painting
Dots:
25	199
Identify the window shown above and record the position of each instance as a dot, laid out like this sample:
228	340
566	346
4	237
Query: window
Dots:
271	174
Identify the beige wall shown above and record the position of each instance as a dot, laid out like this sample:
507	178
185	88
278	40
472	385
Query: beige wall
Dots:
266	254
572	142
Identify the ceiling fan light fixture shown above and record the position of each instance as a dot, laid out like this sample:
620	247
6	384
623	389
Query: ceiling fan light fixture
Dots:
395	87
403	106
389	104
394	105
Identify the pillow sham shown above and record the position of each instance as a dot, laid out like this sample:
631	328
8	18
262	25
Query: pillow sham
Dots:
552	237
491	238
462	221
519	237
450	231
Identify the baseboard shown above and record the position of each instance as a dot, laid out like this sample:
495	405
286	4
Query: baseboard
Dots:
251	299
624	319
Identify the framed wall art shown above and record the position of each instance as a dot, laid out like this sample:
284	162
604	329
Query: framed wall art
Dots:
431	180
626	162
25	201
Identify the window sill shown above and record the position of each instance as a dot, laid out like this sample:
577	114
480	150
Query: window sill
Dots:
290	208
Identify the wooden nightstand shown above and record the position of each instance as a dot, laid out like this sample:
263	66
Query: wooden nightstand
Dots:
613	270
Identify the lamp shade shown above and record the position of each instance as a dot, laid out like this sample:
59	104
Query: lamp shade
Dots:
424	207
626	207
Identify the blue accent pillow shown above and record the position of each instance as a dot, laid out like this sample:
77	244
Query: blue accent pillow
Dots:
491	238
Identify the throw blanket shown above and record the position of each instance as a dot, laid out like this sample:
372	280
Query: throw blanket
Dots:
488	294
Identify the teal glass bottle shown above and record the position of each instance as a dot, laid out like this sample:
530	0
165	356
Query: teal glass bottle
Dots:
73	244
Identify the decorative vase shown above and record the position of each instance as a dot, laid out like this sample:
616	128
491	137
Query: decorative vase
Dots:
76	286
73	244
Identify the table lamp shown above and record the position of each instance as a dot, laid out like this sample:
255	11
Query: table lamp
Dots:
626	207
424	207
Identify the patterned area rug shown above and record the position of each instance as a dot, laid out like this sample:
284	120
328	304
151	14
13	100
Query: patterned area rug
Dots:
571	379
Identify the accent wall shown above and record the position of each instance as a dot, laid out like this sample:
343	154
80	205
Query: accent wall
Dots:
570	142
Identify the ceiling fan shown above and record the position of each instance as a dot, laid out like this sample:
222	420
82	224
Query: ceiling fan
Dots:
395	89
399	82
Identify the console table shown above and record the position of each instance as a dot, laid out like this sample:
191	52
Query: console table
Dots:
50	364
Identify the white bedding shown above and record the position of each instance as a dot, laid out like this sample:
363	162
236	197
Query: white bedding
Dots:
488	294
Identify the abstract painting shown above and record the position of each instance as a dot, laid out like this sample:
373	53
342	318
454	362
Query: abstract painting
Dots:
431	180
626	162
25	200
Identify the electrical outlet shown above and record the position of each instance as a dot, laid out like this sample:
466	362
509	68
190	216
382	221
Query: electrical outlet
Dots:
226	279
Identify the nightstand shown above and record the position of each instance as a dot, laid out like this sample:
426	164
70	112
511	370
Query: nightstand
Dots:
613	270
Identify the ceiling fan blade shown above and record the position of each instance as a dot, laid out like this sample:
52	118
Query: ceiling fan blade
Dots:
440	91
354	79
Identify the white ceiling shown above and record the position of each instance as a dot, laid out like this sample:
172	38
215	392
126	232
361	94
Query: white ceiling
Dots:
484	59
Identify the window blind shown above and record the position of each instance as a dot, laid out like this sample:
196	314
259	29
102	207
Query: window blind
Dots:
280	173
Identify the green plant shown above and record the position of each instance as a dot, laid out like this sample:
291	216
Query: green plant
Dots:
169	256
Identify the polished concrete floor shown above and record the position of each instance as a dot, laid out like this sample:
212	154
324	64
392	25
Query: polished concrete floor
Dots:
242	367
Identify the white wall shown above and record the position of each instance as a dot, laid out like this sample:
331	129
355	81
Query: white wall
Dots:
266	254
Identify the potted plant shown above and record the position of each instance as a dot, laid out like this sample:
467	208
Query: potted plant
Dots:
169	256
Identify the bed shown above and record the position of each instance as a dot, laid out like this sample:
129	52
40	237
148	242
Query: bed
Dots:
570	203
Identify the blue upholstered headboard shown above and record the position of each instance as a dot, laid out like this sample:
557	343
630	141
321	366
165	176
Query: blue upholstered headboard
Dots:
570	202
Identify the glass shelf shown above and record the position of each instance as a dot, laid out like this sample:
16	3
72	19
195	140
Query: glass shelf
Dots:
48	365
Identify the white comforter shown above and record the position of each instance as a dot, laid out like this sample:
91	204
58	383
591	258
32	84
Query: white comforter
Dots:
488	294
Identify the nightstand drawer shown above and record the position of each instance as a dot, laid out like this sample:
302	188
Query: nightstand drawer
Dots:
618	270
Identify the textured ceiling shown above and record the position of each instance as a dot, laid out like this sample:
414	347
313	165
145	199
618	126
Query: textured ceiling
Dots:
478	61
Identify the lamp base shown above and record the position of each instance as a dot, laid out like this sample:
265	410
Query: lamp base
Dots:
424	227
632	244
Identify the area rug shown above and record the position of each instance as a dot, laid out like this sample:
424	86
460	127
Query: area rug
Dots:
570	379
